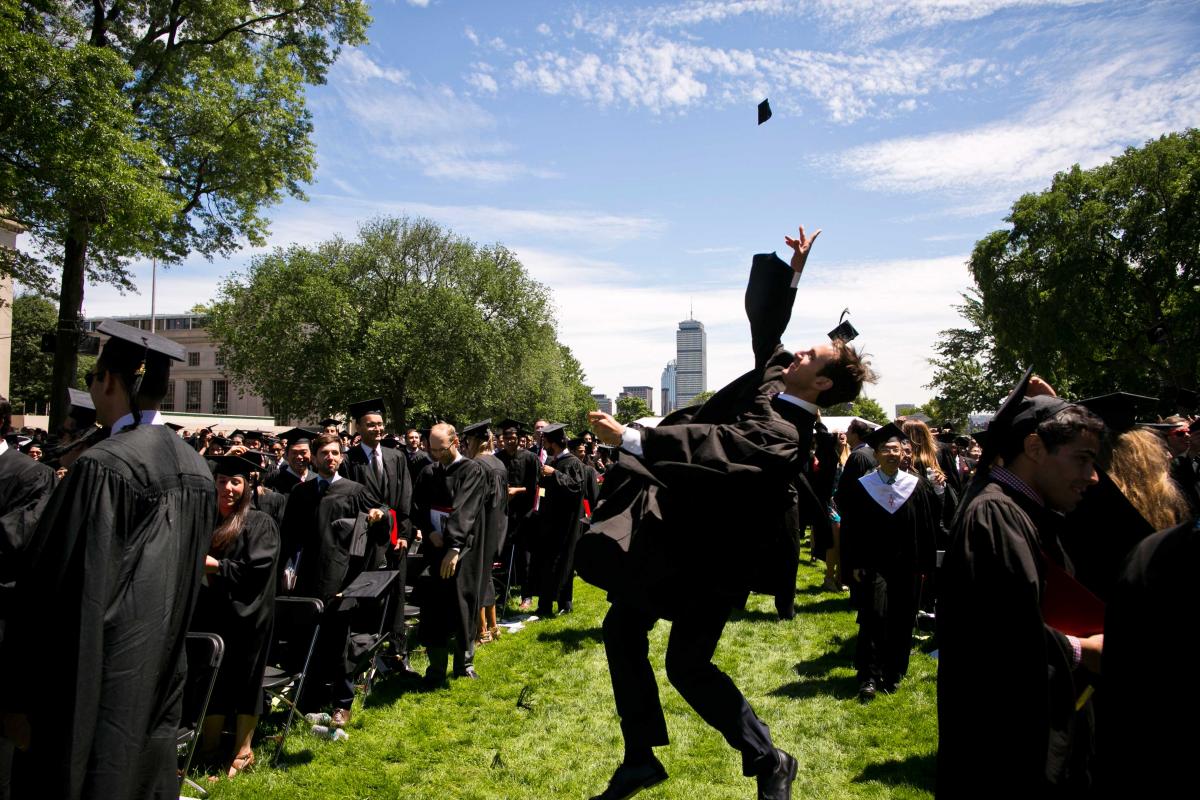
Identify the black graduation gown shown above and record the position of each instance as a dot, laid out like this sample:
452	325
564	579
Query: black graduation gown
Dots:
1100	532
393	490
893	550
320	528
1007	723
497	525
1147	670
281	480
1184	473
451	607
25	486
237	602
417	461
115	563
713	487
523	470
559	517
271	503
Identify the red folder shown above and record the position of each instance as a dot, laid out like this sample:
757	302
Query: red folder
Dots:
395	528
1067	605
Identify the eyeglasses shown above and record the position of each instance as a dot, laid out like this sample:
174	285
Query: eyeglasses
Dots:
1180	432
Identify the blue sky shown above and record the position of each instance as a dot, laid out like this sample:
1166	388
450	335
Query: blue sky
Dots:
613	146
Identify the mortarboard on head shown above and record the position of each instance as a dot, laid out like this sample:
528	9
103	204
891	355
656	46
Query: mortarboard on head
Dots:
175	426
555	433
390	441
980	437
82	410
477	430
885	433
241	433
231	466
574	442
1017	417
946	438
298	436
1179	399
363	407
508	423
1120	410
764	111
218	441
130	348
329	422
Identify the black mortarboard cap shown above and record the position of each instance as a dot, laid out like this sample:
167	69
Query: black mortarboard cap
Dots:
239	432
981	437
370	583
82	410
325	423
234	465
844	332
764	111
219	441
175	426
556	432
390	441
142	340
373	406
509	422
946	438
298	435
1120	410
477	430
883	433
1179	399
1017	417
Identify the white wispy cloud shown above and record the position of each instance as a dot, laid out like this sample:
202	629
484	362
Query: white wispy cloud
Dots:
1084	120
419	3
657	73
543	29
481	78
355	66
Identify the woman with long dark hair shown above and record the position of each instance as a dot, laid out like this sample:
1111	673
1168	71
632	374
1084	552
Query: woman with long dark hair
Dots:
237	602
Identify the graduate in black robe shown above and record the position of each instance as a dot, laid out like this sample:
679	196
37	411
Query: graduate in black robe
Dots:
416	458
449	502
115	562
523	475
385	474
707	489
479	447
888	526
1008	682
237	602
1147	663
327	533
559	518
296	466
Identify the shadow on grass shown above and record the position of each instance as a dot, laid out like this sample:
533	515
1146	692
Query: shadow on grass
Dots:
842	688
828	661
919	771
295	758
572	639
391	688
753	615
815	588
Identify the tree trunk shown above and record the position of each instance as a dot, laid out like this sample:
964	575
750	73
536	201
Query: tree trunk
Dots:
66	340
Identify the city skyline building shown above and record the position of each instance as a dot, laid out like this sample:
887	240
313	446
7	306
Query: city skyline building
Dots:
645	393
667	387
691	361
603	403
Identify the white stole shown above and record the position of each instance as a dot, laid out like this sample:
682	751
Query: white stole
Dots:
890	497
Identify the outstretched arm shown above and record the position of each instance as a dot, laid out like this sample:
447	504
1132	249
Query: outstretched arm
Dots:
771	292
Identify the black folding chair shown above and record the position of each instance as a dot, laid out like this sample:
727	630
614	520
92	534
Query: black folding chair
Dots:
369	626
204	654
297	623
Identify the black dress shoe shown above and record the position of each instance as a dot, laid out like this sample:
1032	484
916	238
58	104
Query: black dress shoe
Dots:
567	609
777	783
629	779
866	691
467	672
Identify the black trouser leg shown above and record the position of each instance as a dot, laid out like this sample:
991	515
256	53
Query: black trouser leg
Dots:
397	624
902	609
627	646
329	681
710	691
871	598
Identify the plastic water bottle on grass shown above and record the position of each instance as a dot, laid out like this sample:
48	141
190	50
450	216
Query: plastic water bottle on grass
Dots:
332	734
318	718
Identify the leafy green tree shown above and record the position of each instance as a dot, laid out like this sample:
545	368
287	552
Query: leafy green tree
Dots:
137	128
33	316
439	327
864	407
630	408
1096	284
702	398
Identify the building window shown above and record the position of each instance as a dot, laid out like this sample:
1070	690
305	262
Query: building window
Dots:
193	359
177	323
168	401
220	397
219	358
193	396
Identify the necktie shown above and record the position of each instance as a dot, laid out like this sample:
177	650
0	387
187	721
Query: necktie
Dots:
375	464
322	485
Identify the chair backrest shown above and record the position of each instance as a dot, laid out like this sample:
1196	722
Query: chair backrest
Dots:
204	654
296	620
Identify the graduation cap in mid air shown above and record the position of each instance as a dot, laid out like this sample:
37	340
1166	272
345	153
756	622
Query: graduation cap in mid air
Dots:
1120	410
764	111
844	331
885	433
477	430
362	408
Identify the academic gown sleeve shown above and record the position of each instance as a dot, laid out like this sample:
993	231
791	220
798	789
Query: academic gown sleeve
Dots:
470	494
248	573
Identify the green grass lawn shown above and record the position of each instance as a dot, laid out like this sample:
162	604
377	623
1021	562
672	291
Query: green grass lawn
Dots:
473	741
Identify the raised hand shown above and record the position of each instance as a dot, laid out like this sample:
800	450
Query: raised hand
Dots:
800	248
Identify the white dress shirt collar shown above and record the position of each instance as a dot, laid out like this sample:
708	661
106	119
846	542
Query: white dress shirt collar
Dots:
148	418
806	405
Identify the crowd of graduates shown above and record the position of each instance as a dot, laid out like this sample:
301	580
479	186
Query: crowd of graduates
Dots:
1047	553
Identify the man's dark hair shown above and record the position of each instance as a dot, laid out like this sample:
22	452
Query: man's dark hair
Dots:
5	415
124	360
1061	428
324	439
848	370
859	428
